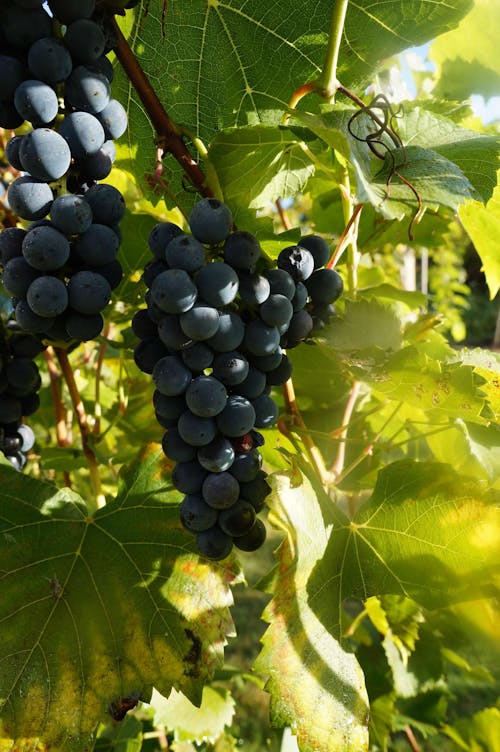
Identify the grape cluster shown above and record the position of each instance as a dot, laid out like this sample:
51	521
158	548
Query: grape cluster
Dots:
60	271
218	318
19	384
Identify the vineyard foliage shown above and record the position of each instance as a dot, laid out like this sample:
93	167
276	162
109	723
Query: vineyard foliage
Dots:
378	584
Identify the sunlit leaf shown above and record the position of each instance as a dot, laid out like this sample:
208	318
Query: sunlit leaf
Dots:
97	609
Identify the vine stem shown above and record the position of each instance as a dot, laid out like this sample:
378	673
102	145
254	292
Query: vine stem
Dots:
328	83
312	450
283	215
411	739
83	425
338	464
351	218
168	132
59	410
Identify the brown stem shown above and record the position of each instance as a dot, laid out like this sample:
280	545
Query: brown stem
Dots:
312	450
98	371
59	409
81	417
283	215
167	130
411	739
344	239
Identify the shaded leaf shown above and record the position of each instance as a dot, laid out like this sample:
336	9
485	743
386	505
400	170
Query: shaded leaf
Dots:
96	610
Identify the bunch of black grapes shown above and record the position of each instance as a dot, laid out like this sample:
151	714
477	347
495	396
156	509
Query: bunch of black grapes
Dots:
61	270
19	385
213	334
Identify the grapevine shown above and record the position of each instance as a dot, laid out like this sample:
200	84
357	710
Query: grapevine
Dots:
247	287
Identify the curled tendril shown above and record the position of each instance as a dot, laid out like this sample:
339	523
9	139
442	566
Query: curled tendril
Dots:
381	112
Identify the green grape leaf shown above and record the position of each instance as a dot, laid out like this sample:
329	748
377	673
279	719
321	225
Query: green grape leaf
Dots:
258	164
189	723
445	163
480	733
472	68
222	64
307	666
482	224
367	324
95	610
425	533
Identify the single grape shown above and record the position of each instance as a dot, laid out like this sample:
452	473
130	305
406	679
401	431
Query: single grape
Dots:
148	352
253	385
47	296
27	437
300	327
214	544
85	40
36	101
71	214
29	321
297	261
176	448
185	252
206	396
84	135
22	377
30	198
246	465
10	119
188	477
12	74
201	321
242	250
112	272
277	310
269	362
325	286
12	149
23	26
96	246
160	236
11	243
216	456
281	373
229	334
87	90
17	276
317	247
45	248
169	407
217	283
261	339
252	540
256	491
10	409
230	368
171	334
196	515
210	221
238	520
254	289
237	418
97	166
198	356
68	11
173	291
299	300
84	327
220	490
88	292
113	119
196	430
107	204
22	345
170	375
49	60
266	411
280	282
